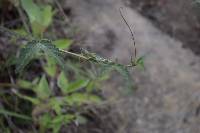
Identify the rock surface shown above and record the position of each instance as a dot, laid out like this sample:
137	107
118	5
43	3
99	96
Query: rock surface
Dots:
168	98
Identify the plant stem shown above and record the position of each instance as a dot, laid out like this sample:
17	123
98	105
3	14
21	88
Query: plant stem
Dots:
8	85
74	54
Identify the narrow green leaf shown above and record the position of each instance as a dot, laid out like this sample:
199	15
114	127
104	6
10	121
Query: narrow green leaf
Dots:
50	67
140	62
62	82
42	90
47	15
63	43
56	127
81	98
28	98
32	10
58	119
56	104
44	121
72	87
21	32
6	112
24	84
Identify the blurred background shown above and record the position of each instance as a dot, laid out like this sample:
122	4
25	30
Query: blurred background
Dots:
165	97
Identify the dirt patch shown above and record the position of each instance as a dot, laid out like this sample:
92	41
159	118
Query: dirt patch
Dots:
178	18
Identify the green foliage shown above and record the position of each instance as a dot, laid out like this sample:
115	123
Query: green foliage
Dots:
73	87
50	67
81	98
109	65
62	81
42	90
63	43
57	97
13	114
24	83
40	17
47	122
37	48
70	98
140	62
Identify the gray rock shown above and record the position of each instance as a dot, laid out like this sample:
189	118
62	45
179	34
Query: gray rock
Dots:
168	98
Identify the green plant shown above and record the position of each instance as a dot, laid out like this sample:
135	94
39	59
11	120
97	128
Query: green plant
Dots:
53	111
56	98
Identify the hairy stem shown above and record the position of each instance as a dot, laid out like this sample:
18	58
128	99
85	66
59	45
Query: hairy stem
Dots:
74	54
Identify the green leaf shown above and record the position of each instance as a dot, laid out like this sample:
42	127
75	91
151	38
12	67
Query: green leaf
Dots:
42	90
28	98
68	118
45	119
38	29
47	16
37	48
81	98
62	82
140	62
56	104
50	67
32	10
21	32
52	51
26	55
56	126
90	86
63	43
72	87
40	16
6	112
58	119
24	84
